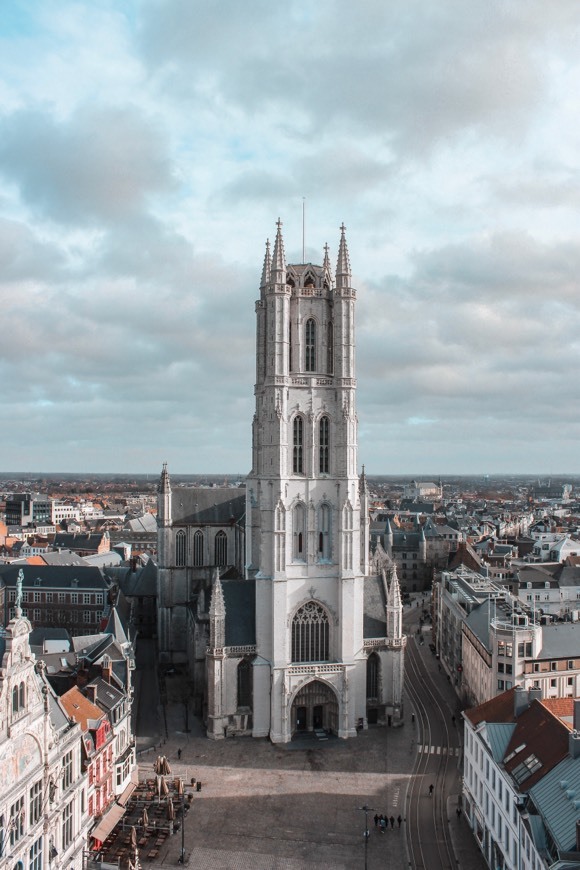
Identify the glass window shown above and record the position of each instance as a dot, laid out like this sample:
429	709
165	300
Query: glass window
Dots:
324	445
180	542
310	634
245	683
330	348
221	549
198	549
298	442
310	345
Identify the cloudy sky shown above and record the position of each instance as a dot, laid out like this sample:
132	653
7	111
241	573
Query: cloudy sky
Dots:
147	148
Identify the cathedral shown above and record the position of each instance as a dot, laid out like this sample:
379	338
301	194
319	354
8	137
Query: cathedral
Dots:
268	598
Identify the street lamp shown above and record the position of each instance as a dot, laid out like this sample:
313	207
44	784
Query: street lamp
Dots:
366	810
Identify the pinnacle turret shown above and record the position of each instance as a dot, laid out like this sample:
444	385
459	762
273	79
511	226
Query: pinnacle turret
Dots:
326	262
266	266
278	263
343	273
164	481
217	614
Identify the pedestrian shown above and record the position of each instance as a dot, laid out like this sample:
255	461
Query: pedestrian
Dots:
383	823
399	820
392	821
458	812
179	753
376	819
453	720
439	666
431	787
412	718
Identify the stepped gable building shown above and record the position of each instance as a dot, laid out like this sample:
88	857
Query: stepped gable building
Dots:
300	634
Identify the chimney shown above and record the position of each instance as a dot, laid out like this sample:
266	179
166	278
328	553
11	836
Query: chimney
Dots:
521	702
574	744
107	669
576	722
535	694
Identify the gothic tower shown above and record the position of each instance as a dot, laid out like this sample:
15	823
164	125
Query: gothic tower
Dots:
306	509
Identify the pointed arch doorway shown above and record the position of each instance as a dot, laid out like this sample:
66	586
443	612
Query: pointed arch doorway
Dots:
314	707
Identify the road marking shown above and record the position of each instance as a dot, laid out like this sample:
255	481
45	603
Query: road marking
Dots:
439	750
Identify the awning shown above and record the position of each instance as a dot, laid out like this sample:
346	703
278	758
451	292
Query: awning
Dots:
108	822
130	788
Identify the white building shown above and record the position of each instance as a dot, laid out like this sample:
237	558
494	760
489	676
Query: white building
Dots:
310	639
520	778
43	807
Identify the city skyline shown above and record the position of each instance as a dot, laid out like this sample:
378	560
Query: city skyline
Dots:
147	150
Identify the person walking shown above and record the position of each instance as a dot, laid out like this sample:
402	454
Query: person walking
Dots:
179	754
392	821
431	787
383	823
376	820
399	820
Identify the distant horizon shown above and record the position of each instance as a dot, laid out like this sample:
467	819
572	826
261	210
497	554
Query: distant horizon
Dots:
237	475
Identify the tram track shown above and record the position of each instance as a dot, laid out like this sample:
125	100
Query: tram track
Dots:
428	838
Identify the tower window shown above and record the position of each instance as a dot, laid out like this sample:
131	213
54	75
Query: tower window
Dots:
324	533
298	437
298	516
244	683
330	348
310	634
324	439
180	549
373	677
221	549
198	549
310	345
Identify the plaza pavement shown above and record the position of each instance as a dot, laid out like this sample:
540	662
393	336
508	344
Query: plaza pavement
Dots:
296	806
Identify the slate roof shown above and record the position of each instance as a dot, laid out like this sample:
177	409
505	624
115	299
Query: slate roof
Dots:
219	506
240	604
108	697
499	735
78	541
374	602
55	576
560	641
555	796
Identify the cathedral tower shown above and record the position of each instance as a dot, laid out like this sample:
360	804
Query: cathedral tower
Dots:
306	516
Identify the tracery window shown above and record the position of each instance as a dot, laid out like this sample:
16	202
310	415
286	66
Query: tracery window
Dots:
221	549
324	445
298	445
245	683
310	345
180	549
373	677
198	549
310	634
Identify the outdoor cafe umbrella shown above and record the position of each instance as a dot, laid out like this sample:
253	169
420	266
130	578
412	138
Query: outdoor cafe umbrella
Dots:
162	786
170	809
133	837
166	768
179	784
145	817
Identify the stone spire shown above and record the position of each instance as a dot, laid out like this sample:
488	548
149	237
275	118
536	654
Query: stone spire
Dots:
278	263
343	273
266	266
388	538
362	482
217	615
164	498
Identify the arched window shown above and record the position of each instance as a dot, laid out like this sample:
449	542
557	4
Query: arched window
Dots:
298	442
15	699
198	549
324	533
245	683
373	677
22	696
330	347
221	549
299	530
290	347
310	346
180	549
324	445
310	634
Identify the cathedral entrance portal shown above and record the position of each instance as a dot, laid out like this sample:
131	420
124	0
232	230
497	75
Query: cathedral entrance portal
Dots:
314	707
